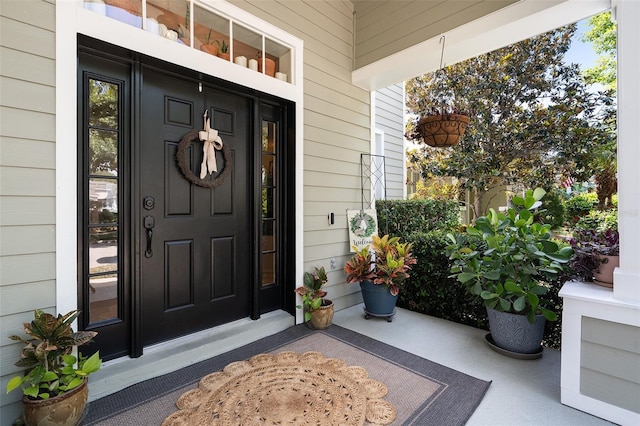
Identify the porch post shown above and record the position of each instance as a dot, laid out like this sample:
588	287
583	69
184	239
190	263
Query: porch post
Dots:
627	276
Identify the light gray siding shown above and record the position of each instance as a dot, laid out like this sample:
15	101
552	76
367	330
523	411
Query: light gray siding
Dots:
336	129
610	363
27	176
386	27
389	107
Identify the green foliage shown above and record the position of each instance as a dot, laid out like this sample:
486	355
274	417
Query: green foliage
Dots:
431	291
47	356
553	209
603	35
224	47
402	217
312	293
598	220
103	113
512	273
580	205
533	117
390	267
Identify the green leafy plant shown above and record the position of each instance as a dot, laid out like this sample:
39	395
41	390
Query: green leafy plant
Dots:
511	273
390	266
224	47
51	369
312	293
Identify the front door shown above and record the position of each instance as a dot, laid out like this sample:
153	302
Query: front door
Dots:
195	241
163	253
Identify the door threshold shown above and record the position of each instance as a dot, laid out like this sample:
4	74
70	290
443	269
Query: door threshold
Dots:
166	357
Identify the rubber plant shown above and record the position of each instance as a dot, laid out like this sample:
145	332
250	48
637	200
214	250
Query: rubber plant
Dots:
520	258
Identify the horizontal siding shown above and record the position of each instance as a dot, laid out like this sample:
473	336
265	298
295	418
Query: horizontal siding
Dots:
27	95
389	119
40	70
386	27
19	123
27	176
616	335
25	268
336	127
20	298
612	390
27	153
21	181
34	13
610	363
25	38
27	210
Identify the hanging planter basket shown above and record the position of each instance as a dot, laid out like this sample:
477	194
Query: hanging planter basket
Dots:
442	131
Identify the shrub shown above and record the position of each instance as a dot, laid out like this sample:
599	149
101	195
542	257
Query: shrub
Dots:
403	217
553	209
580	205
599	221
430	290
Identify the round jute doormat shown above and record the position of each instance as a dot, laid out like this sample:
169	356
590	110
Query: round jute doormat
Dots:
285	388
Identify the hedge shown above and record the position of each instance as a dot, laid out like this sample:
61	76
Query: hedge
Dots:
403	217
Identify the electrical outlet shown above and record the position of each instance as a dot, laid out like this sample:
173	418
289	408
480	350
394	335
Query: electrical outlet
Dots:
333	263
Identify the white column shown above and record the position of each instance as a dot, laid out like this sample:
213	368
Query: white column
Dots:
627	276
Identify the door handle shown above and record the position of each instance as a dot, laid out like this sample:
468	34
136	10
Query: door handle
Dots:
149	223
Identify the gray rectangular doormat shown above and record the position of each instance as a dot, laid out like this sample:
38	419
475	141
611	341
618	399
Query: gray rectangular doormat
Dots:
422	392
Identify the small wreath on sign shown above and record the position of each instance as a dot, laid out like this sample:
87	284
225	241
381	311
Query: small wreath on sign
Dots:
357	229
183	163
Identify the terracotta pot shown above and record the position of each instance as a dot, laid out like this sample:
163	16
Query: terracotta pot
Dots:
604	274
322	317
442	131
225	56
63	410
211	49
270	65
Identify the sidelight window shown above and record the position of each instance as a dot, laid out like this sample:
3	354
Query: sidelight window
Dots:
103	183
269	194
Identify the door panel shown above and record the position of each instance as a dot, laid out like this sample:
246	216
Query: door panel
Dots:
192	280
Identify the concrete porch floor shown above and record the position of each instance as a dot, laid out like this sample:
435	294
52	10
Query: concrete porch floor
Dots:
522	392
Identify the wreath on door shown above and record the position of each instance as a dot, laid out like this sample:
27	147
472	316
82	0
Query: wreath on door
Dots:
210	176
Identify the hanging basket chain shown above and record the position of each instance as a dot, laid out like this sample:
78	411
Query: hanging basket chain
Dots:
445	127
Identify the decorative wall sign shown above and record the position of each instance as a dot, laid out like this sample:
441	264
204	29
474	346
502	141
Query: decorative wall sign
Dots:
209	175
363	224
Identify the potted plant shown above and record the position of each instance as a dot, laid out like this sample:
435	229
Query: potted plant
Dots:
318	311
596	255
210	46
443	123
381	274
55	381
509	273
224	51
441	128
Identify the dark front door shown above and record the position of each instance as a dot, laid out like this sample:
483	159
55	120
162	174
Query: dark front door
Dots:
195	242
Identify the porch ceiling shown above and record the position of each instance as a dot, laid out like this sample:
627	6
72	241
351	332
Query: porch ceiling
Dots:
467	34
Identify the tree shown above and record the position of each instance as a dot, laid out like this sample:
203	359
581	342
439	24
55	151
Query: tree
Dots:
533	118
603	36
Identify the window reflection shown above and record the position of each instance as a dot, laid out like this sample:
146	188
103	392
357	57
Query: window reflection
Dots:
102	182
269	193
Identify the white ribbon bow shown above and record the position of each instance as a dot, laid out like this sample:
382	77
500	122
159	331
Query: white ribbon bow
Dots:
211	142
